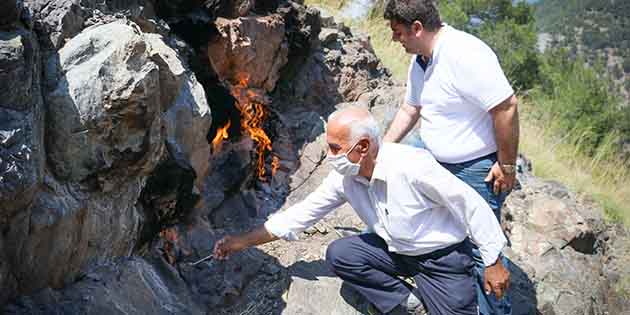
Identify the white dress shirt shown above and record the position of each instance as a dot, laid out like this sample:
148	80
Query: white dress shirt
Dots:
412	202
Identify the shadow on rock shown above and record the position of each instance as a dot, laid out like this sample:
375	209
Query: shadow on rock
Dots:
249	282
522	291
315	290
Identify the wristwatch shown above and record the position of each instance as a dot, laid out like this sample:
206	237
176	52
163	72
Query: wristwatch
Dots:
508	169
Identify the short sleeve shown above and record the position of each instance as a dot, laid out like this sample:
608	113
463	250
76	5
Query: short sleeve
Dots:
415	83
480	78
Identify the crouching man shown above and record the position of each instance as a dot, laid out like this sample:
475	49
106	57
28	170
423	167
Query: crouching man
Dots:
420	219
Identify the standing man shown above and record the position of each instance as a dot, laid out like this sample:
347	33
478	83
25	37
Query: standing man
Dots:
420	217
468	111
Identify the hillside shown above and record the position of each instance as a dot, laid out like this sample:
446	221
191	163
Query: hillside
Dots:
598	29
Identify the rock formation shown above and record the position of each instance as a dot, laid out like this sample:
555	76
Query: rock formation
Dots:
130	142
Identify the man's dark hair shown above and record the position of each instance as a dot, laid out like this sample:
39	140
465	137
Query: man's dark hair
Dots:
408	11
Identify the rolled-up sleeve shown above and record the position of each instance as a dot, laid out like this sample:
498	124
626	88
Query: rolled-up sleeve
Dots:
327	197
444	188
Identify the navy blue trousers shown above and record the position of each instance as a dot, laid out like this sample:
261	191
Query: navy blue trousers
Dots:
444	278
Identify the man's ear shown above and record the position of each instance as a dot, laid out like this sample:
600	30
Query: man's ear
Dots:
364	146
417	28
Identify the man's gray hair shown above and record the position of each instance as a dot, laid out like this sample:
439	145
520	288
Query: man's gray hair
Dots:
365	126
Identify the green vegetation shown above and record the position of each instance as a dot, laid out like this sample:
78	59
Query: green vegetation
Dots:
572	122
594	28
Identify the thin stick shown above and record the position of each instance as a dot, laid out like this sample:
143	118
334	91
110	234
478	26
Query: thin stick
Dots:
201	260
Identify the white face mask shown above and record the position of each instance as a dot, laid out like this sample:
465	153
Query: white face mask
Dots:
343	165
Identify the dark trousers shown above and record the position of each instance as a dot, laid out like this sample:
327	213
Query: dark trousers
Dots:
444	277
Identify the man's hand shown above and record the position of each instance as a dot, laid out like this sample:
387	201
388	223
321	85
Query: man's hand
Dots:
496	279
502	182
232	244
227	246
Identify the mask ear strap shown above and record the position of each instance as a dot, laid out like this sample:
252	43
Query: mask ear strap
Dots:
352	147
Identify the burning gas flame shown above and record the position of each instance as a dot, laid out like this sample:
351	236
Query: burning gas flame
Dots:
275	163
222	134
253	115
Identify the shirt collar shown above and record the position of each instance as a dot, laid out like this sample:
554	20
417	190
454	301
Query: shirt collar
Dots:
436	49
380	168
379	172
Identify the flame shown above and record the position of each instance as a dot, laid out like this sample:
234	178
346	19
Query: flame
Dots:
252	117
275	163
221	135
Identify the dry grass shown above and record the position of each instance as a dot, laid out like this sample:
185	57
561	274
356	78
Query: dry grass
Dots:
605	179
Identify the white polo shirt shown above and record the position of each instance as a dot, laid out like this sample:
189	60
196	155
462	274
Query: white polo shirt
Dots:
412	203
462	82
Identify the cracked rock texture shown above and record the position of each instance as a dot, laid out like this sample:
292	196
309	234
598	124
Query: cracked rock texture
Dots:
110	187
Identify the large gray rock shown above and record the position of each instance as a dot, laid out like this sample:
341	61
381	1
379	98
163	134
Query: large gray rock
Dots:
130	286
58	20
341	68
116	97
47	242
558	249
22	159
21	120
315	290
105	110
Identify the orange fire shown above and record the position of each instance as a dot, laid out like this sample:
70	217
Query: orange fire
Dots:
221	135
253	115
275	163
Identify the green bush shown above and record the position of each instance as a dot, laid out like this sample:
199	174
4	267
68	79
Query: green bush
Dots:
577	100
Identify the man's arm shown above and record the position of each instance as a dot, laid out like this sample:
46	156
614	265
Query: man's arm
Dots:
506	128
289	223
405	119
232	244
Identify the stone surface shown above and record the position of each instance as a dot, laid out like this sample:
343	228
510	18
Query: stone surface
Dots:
18	64
130	286
57	20
115	96
558	250
21	159
48	242
341	68
103	115
22	156
21	120
315	290
250	50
